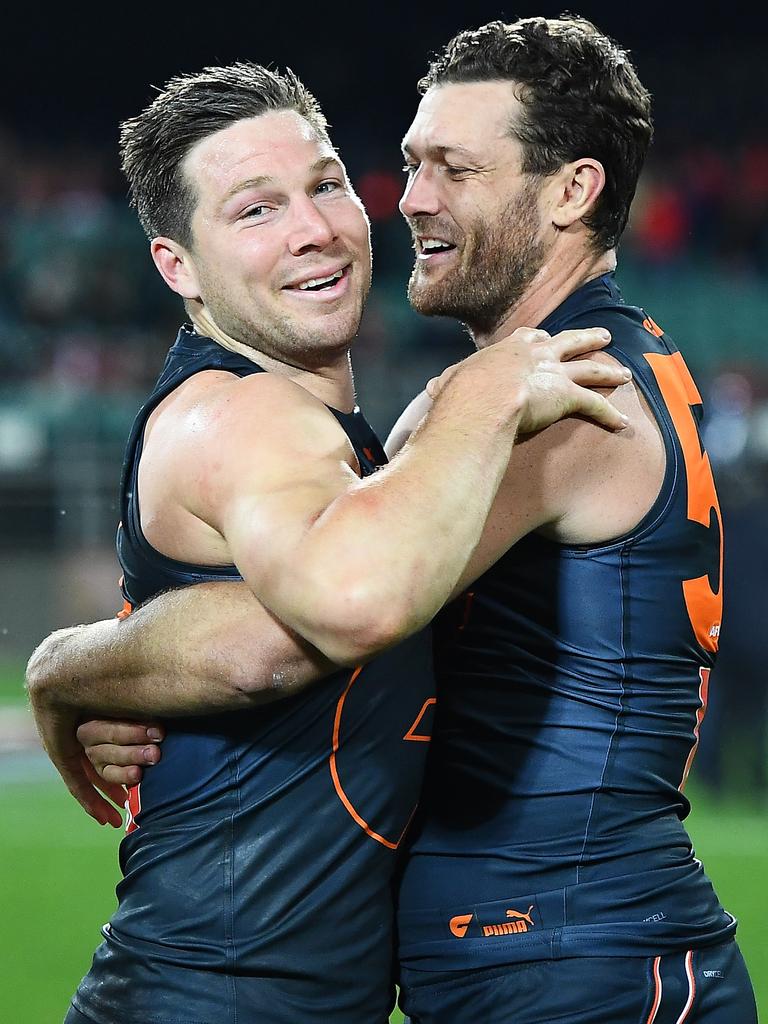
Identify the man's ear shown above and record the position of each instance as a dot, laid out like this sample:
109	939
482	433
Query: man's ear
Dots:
176	267
578	185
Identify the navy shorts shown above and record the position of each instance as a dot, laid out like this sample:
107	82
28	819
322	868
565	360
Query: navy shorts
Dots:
702	986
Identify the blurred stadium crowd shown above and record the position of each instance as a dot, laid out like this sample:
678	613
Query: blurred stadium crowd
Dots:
85	322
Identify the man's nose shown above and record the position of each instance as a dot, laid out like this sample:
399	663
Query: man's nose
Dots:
310	228
421	195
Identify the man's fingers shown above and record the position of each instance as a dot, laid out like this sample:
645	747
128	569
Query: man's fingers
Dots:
436	384
112	780
527	335
79	785
117	752
596	407
97	731
568	344
122	756
119	776
593	374
122	765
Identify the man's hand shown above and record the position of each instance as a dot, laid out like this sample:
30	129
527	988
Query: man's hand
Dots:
549	380
57	724
119	751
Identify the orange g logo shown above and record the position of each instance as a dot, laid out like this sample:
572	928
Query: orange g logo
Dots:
459	924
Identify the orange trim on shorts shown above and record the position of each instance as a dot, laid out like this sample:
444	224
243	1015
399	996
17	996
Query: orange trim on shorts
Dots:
691	987
337	782
657	998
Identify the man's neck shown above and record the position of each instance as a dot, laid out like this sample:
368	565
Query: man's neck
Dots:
332	384
558	278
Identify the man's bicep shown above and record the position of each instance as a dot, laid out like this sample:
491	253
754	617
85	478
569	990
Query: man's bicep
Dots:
273	459
267	494
265	521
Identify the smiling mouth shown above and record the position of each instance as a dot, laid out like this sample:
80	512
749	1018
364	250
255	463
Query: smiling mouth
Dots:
428	248
324	283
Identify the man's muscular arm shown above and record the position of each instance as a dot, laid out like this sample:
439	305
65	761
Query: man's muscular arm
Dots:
354	565
199	650
203	649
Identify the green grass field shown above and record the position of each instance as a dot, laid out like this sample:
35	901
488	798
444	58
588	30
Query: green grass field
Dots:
58	871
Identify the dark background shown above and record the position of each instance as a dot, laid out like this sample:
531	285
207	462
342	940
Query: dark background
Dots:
71	73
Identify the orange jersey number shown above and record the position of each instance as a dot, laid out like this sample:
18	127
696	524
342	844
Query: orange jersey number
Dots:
705	606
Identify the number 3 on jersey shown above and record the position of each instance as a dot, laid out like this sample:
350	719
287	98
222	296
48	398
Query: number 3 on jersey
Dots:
704	605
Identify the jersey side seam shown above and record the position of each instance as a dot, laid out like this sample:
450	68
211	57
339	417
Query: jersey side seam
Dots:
617	721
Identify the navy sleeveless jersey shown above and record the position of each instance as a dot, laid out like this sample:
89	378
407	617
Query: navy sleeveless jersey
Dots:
258	864
573	682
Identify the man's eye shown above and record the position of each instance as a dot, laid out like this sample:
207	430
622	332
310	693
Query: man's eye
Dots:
255	211
456	172
328	186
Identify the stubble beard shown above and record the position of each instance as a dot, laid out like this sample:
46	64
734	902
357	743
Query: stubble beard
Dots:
498	263
284	337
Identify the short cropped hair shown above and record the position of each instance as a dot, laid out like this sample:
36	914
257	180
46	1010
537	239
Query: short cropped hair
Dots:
581	97
189	108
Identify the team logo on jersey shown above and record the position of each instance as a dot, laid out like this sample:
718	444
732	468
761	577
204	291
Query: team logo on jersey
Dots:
520	922
459	924
517	922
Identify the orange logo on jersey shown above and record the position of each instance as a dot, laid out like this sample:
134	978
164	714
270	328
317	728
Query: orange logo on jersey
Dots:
523	917
459	924
652	327
518	925
417	736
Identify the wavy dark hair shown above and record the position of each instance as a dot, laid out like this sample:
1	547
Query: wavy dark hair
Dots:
580	96
189	108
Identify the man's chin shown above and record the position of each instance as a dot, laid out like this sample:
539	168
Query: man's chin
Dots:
430	300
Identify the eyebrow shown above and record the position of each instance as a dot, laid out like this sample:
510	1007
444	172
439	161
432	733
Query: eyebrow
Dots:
265	179
437	152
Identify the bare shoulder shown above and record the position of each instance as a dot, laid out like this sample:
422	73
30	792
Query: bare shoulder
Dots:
591	484
263	417
218	436
407	422
609	481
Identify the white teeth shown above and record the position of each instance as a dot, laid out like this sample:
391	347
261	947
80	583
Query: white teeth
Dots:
429	245
320	280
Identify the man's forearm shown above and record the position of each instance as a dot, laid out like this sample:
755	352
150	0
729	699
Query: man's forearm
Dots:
195	651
